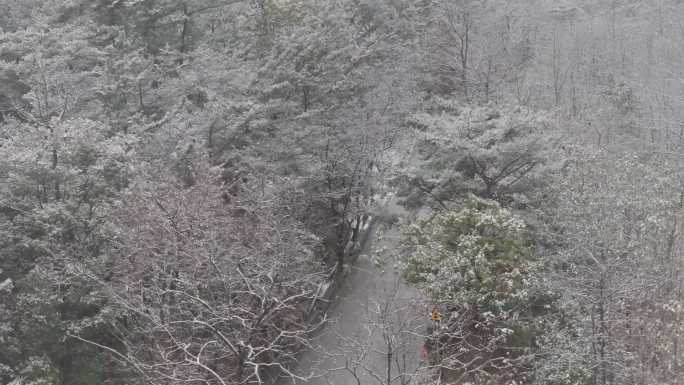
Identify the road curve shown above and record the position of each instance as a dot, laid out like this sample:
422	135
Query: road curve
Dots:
376	319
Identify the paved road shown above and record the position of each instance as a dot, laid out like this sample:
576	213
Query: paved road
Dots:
375	312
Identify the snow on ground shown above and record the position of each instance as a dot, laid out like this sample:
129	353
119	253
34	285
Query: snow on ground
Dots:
374	308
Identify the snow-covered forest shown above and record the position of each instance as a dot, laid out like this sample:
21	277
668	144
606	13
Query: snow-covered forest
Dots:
181	180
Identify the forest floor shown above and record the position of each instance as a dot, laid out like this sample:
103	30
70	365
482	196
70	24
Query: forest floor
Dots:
374	312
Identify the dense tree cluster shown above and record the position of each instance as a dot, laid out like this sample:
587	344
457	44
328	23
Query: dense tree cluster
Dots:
496	153
476	266
570	147
178	178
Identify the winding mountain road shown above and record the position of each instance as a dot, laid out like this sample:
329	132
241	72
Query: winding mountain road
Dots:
373	334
